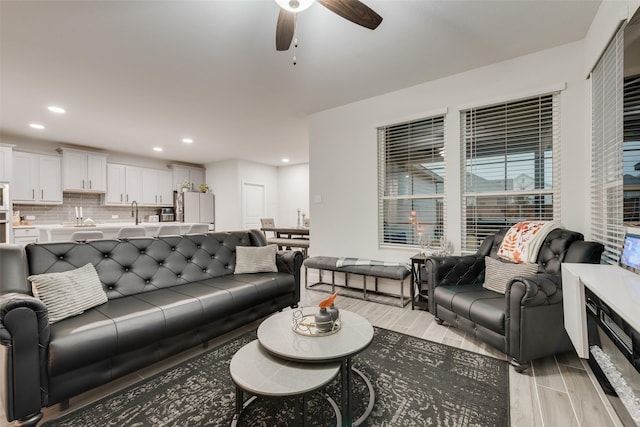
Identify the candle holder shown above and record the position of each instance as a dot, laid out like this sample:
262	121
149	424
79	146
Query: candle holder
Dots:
304	322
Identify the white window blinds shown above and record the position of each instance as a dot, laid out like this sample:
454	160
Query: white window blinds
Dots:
631	150
607	148
511	153
411	182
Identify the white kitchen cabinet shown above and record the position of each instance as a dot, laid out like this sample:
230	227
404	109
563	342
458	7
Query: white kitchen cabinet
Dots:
24	236
156	187
165	189
36	178
199	207
124	184
133	184
194	176
5	163
83	171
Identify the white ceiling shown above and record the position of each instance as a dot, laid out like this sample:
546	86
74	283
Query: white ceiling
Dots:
138	74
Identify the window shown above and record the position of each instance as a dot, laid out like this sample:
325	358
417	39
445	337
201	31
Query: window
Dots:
511	152
631	150
411	182
606	150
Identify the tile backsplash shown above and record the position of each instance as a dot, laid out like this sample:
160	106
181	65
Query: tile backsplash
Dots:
92	207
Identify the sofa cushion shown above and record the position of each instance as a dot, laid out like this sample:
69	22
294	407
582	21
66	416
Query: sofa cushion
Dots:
498	273
473	302
68	293
256	259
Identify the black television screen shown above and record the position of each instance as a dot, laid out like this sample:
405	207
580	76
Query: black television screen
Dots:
630	256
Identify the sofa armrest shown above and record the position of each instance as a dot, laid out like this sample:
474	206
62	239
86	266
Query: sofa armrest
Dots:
453	270
530	291
291	262
24	334
534	323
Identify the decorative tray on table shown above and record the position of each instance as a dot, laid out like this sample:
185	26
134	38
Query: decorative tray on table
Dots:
304	323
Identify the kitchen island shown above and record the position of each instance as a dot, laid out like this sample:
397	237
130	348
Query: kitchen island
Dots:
57	232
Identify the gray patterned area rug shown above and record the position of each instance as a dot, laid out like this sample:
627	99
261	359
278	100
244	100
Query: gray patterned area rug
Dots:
417	383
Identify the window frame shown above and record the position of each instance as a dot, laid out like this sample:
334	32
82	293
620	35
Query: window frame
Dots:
419	220
503	125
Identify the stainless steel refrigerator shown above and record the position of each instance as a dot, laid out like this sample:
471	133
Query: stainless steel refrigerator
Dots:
195	207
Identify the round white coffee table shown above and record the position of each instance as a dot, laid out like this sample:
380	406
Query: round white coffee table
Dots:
257	372
356	333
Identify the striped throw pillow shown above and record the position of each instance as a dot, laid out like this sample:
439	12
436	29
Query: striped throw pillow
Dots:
68	293
256	259
497	273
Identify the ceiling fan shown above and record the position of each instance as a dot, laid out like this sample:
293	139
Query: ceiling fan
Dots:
351	10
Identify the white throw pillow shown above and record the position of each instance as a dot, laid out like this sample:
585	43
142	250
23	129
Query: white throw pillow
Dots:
497	273
68	293
256	259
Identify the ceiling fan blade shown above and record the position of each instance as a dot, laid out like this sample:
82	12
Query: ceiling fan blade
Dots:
354	11
285	29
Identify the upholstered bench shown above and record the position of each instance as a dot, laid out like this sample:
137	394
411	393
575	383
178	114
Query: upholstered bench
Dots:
377	271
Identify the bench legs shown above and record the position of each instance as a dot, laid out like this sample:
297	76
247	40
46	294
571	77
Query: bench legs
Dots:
365	289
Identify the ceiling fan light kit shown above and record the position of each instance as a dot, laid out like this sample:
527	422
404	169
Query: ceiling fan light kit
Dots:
295	5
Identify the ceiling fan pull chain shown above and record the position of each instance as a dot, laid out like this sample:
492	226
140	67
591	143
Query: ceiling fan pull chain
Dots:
295	38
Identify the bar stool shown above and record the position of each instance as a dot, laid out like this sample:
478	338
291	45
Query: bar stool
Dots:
126	232
83	236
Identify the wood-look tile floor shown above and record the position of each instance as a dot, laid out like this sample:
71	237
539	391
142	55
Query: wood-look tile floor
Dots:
555	391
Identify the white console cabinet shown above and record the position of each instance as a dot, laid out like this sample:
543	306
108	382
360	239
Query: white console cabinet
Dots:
617	287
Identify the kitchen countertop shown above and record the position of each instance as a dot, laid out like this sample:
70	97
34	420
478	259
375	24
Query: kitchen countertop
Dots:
57	232
103	225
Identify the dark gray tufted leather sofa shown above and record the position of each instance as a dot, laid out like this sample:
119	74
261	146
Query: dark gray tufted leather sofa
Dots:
527	322
165	295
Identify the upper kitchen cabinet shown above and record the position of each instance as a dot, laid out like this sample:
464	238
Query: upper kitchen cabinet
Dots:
193	176
36	178
156	187
5	163
124	184
83	171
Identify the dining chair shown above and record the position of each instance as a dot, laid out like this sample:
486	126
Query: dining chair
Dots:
273	239
267	222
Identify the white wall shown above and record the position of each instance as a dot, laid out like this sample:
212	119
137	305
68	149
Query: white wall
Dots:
343	148
293	185
226	179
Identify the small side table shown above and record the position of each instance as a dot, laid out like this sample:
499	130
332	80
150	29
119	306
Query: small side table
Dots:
255	371
421	300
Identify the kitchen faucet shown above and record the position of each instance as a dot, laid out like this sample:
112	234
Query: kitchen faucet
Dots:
134	213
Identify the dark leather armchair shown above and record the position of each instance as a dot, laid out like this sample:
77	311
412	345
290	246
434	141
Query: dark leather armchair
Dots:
527	322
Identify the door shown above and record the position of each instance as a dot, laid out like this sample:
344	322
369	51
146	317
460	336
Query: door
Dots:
253	205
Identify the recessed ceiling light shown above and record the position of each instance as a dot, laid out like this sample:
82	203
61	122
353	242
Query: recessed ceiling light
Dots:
56	109
187	140
285	160
157	149
36	125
